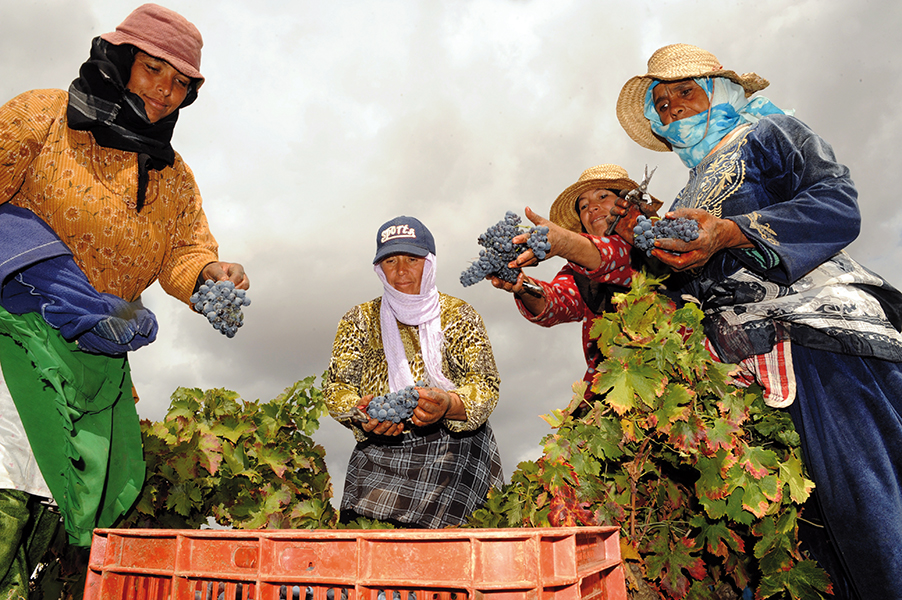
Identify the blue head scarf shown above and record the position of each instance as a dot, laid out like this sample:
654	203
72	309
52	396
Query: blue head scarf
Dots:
694	137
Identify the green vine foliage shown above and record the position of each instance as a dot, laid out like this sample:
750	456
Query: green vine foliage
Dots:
247	465
704	480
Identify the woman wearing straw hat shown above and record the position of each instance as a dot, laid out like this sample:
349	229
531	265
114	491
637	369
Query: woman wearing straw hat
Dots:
598	264
820	332
435	468
95	205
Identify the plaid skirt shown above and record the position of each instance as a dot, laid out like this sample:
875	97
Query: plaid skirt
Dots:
426	480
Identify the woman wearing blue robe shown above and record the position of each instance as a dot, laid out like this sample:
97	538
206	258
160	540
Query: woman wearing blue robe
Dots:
769	269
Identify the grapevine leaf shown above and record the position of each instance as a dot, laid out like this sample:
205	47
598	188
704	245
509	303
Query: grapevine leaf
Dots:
232	429
735	406
566	511
758	461
275	458
736	511
687	435
791	472
805	580
754	500
712	469
555	419
717	536
669	561
614	384
674	406
558	474
720	435
603	440
210	450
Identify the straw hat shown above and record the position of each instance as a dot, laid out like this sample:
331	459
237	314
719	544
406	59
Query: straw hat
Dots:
162	33
609	177
672	63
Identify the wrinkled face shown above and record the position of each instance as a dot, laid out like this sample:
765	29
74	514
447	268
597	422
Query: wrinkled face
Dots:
404	272
158	84
593	207
675	100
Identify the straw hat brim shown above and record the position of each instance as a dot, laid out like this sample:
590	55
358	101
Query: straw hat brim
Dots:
563	210
631	102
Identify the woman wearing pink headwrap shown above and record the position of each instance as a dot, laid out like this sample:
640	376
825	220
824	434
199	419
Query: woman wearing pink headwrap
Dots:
95	206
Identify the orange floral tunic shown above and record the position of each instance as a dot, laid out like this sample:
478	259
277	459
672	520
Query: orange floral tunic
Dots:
87	194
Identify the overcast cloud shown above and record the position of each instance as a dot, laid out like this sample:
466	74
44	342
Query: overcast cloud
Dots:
319	121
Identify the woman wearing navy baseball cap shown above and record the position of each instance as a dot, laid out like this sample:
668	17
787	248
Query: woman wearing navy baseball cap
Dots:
434	467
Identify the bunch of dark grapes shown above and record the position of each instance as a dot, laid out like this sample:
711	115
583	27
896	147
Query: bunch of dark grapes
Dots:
499	249
221	303
647	231
394	406
538	242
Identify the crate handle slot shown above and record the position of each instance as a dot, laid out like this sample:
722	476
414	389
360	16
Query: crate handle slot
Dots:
245	557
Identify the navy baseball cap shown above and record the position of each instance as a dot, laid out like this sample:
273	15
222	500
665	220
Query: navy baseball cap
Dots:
403	235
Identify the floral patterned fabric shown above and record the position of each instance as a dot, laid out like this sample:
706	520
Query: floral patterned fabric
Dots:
87	194
358	366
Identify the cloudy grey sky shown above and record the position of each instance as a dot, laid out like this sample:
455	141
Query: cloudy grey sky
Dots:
321	120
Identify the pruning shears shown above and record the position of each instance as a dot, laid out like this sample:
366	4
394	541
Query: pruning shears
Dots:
638	196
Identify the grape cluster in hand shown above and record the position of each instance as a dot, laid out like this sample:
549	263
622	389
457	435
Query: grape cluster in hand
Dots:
499	249
221	303
394	406
647	231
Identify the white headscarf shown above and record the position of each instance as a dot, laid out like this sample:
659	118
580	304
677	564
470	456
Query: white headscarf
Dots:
421	310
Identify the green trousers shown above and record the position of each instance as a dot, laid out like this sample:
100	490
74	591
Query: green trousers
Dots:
27	528
79	415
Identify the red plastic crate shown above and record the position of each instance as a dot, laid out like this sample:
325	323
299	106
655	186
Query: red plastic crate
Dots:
565	563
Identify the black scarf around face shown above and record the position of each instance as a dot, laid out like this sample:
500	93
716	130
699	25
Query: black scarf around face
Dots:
99	103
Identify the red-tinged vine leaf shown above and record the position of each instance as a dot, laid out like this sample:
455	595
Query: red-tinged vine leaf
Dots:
772	488
714	481
717	537
720	434
757	461
161	431
805	581
792	474
775	550
275	458
567	511
605	333
674	406
754	500
210	450
687	436
734	406
748	491
557	449
736	511
668	562
736	567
